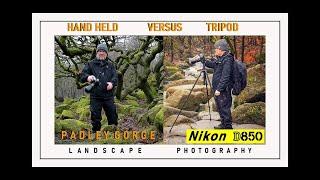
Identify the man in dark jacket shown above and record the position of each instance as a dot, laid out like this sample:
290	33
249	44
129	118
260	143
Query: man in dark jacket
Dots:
102	93
222	82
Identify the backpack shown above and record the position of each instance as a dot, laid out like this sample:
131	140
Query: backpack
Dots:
239	77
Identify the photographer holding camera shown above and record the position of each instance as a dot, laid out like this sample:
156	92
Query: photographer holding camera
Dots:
222	82
102	75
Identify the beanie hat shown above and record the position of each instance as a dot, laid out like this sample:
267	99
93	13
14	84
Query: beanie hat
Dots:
102	47
222	45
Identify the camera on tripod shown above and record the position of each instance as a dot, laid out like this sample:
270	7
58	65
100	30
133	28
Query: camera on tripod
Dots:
197	58
94	82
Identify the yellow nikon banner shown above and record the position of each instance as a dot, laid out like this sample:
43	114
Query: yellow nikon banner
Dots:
225	136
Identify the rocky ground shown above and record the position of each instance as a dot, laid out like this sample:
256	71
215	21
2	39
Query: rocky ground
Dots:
248	109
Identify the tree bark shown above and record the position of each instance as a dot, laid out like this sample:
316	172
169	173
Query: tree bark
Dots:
242	53
145	87
235	46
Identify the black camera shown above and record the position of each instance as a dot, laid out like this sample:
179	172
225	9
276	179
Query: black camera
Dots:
197	58
94	82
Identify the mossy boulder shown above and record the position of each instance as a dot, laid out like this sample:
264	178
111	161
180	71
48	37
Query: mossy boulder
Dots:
129	97
159	118
132	103
250	113
149	117
84	114
139	94
126	109
83	102
255	90
69	101
71	125
67	114
176	76
170	70
61	107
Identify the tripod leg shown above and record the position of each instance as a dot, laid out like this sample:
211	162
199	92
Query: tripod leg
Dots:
206	81
185	102
210	84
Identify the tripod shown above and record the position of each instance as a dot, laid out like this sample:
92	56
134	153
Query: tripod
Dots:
206	81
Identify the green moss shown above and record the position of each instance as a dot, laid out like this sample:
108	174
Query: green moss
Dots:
84	114
61	107
68	101
152	80
127	109
171	69
71	125
132	103
158	121
252	113
139	94
176	76
167	63
57	116
129	97
149	117
67	114
83	102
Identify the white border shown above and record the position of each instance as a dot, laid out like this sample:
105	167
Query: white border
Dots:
270	29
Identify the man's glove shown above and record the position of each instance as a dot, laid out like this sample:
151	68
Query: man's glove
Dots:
109	86
91	78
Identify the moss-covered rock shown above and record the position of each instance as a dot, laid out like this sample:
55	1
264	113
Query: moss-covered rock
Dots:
176	76
126	109
255	90
152	80
84	114
158	122
149	117
129	97
250	113
170	70
71	125
139	94
67	114
61	107
83	102
69	101
132	103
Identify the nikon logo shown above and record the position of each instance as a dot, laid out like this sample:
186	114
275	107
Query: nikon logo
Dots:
225	136
206	136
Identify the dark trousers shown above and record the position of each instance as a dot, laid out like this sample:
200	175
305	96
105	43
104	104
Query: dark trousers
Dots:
108	106
224	102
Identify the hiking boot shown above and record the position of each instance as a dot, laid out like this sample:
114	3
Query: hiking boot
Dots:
220	126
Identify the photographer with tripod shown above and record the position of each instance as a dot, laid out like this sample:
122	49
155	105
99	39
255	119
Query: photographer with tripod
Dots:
222	82
102	75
